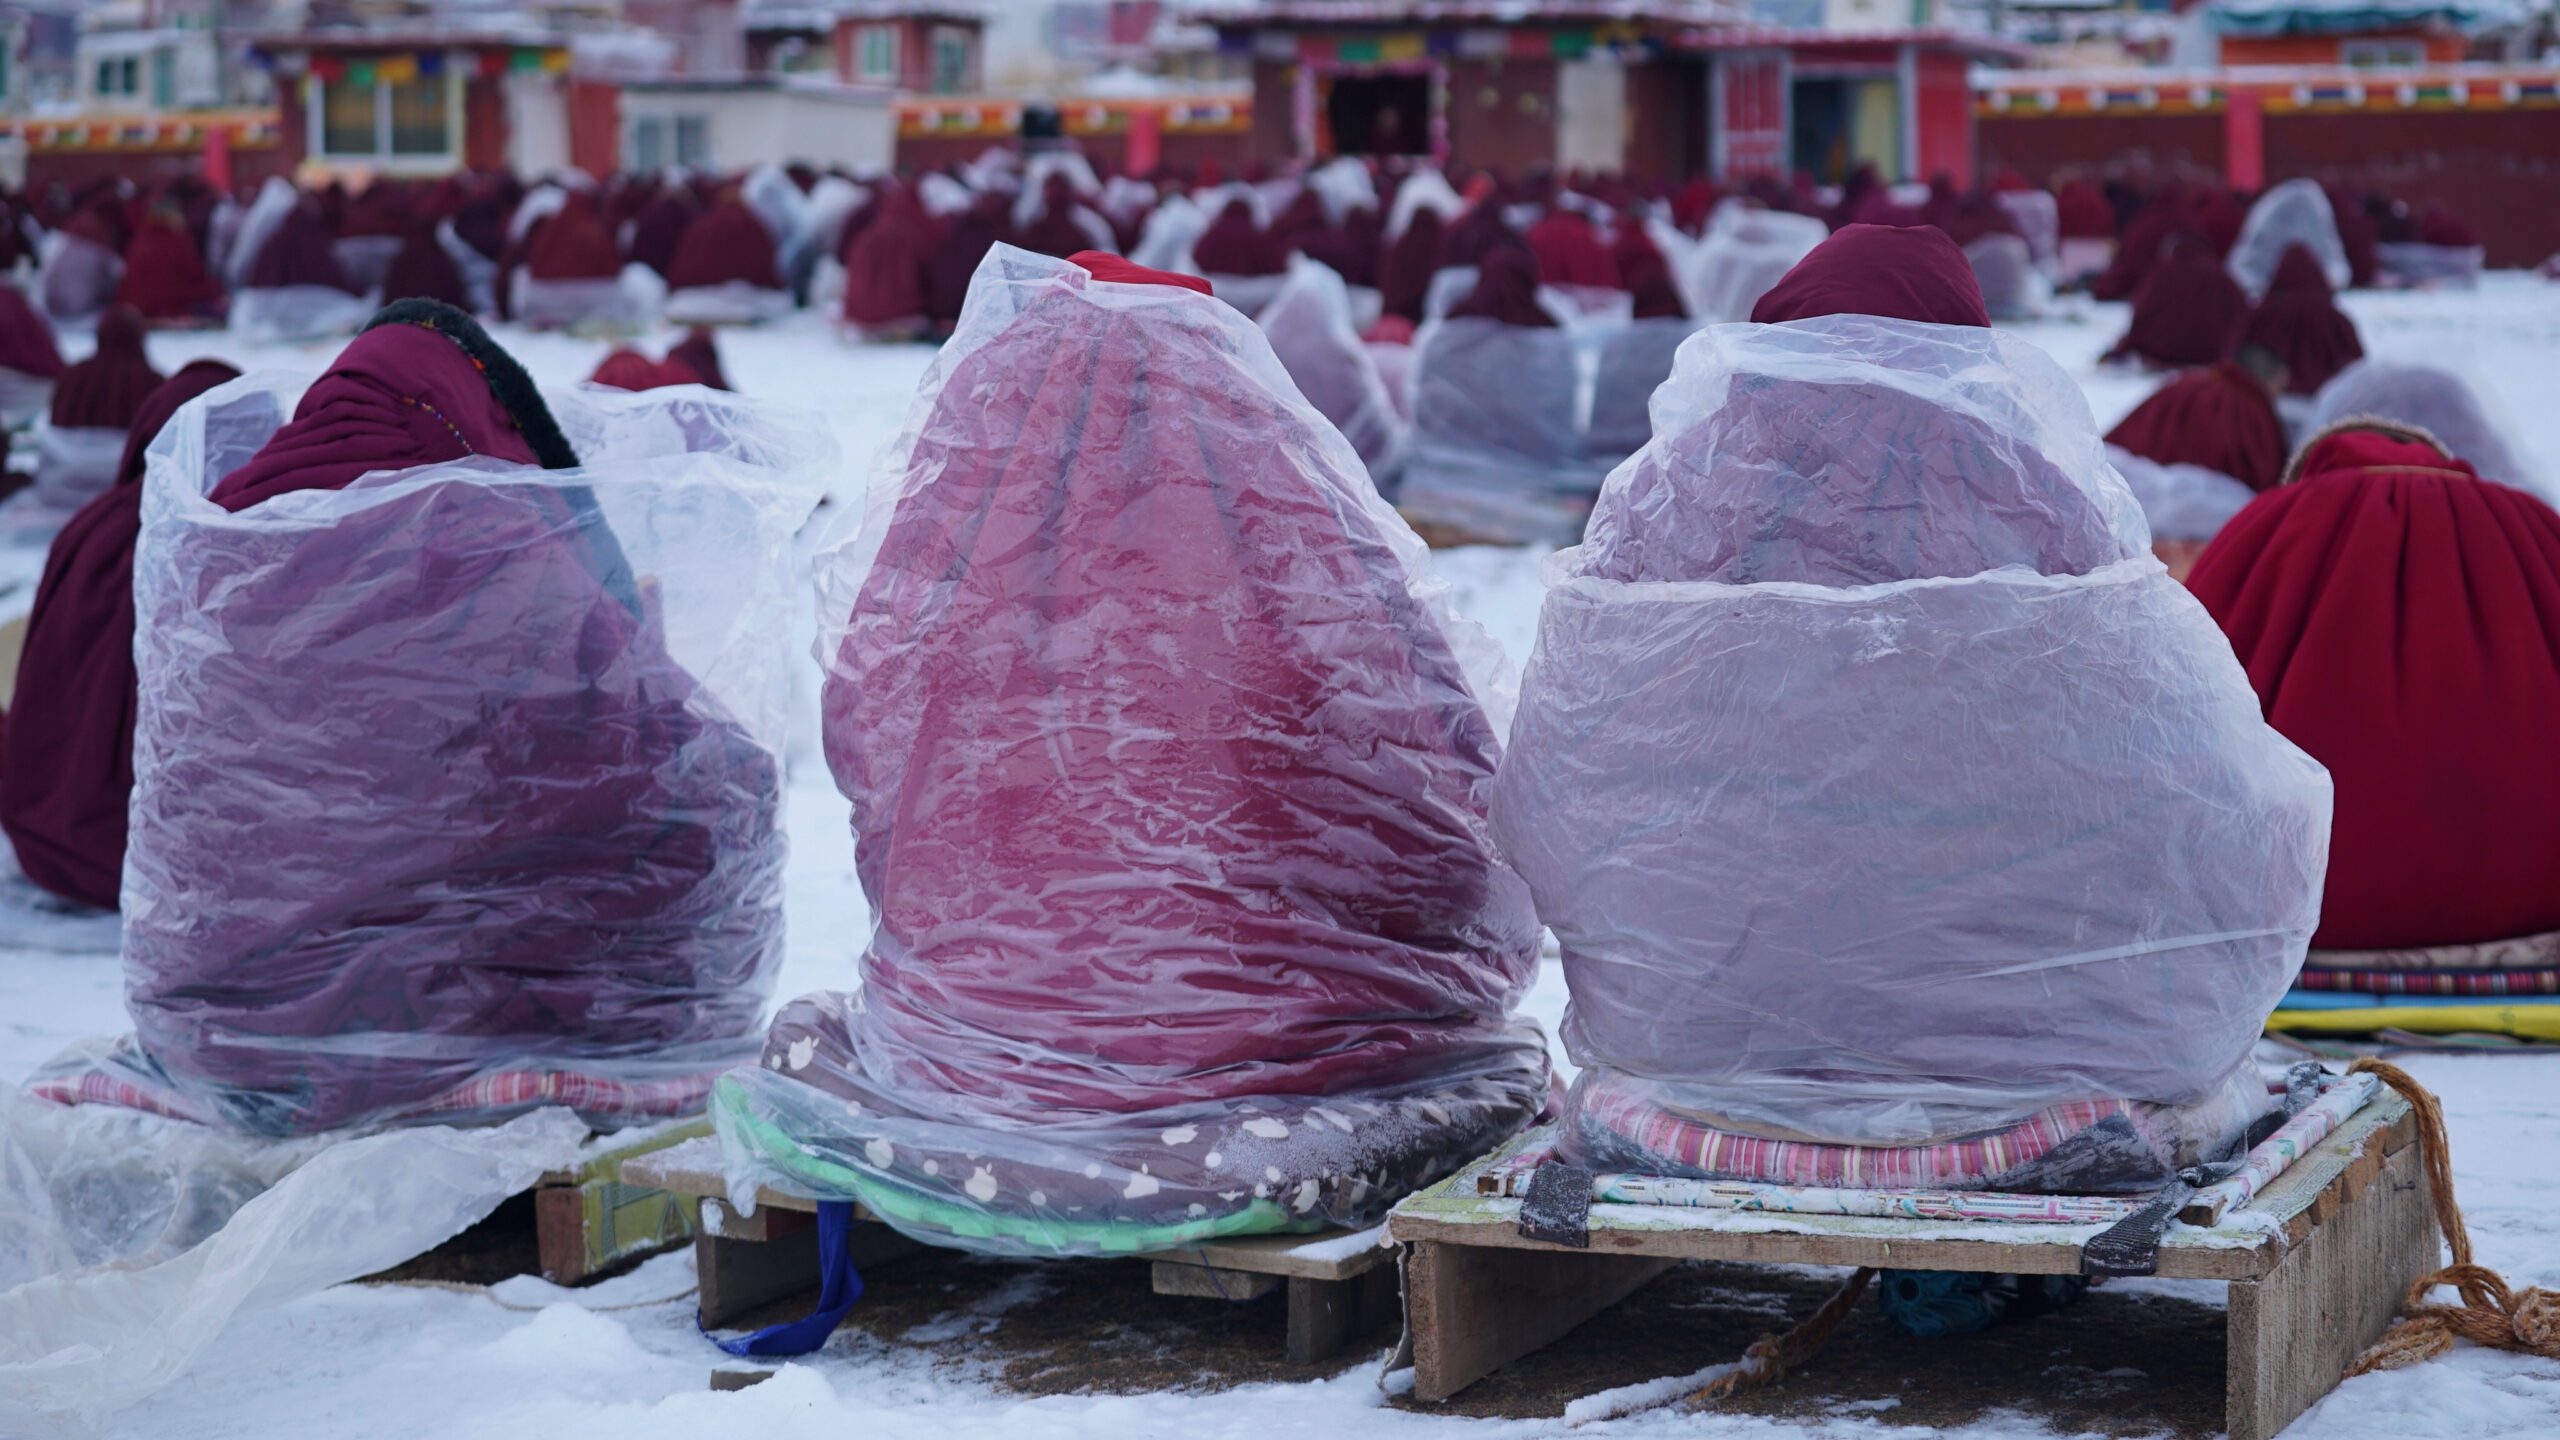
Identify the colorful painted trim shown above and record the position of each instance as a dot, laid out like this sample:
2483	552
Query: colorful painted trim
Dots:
2311	1011
1512	1174
2525	952
928	119
2432	982
2340	1097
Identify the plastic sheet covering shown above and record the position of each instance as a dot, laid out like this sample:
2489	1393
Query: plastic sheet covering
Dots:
623	304
1497	433
1167	764
2437	400
1633	364
2038	217
1126	199
1450	285
1343	185
731	302
76	278
777	202
1248	293
1310	327
276	199
1165	242
289	314
1076	170
2182	501
832	202
944	196
128	1242
2012	287
1422	190
1745	251
2294	213
514	738
479	272
367	258
1878	783
74	465
23	397
2410	266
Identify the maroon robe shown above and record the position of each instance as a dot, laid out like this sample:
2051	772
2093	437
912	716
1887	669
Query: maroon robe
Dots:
1892	272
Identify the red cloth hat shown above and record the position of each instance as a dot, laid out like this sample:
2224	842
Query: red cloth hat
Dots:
2218	417
105	391
1894	273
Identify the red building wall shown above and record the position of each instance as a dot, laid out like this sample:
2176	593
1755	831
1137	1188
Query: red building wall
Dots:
1944	110
1179	153
2328	49
250	167
2496	169
2038	146
595	127
1502	113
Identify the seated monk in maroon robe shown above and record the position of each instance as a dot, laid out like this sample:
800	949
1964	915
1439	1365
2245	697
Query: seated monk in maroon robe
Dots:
2189	312
164	274
2298	321
2220	416
66	757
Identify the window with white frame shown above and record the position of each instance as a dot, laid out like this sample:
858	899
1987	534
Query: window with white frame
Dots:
414	120
2385	54
876	54
119	77
649	144
693	141
951	47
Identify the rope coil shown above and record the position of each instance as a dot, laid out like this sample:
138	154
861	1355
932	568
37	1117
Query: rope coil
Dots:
1772	1356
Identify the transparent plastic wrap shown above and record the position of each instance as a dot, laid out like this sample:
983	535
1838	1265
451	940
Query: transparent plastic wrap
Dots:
624	304
1497	433
1310	328
2038	217
1167	762
1745	251
76	277
2180	501
1165	241
2437	400
731	302
479	272
2012	287
276	199
457	789
1633	364
2294	213
367	258
290	314
1879	785
74	464
2412	266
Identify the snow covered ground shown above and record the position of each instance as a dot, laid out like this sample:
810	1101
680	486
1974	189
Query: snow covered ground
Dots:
395	1363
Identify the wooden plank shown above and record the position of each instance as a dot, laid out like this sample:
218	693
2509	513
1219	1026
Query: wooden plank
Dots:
738	1276
2292	1334
592	1218
1323	1256
2301	1185
1471	1309
1209	1283
1327	1315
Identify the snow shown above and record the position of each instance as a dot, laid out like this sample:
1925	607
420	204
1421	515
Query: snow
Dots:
532	1359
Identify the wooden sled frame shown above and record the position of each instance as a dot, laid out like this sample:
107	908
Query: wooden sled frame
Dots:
2317	1264
592	1219
1336	1291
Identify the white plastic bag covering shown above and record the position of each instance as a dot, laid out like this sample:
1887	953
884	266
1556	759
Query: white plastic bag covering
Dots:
366	259
2438	401
2039	218
1166	761
1165	241
128	1242
731	302
539	204
291	314
1745	252
222	236
1497	433
1310	327
1343	185
1879	784
73	467
2181	501
23	398
944	196
2294	213
621	305
390	740
996	168
276	199
1248	293
1450	285
479	272
1074	168
1126	200
832	202
2012	287
2410	266
775	199
1633	364
1422	190
76	279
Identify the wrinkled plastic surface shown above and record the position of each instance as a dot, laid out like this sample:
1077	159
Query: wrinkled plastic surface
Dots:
129	1242
276	199
624	303
2294	213
1310	327
2411	266
366	259
1633	364
1744	253
479	272
288	314
1165	241
464	770
2012	287
73	466
1878	783
2181	501
77	278
1497	432
2436	400
1167	766
2038	217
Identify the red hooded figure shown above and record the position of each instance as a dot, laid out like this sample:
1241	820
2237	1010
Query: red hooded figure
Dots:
1570	251
572	244
887	267
628	369
960	246
1888	271
658	231
66	756
1233	245
1167	789
1877	784
2299	323
27	348
424	271
1404	276
300	252
727	246
164	274
699	353
2190	312
2145	240
2400	619
2218	416
426	818
105	391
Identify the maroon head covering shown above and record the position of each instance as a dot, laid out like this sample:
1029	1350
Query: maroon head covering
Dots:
104	391
2439	226
26	341
164	274
2218	417
727	244
698	353
2220	218
2082	212
1404	277
1891	272
1232	246
1506	291
628	369
66	755
572	244
1055	231
2299	323
1477	234
300	252
658	231
423	271
2189	313
885	268
1631	250
1570	251
1655	296
2145	241
964	241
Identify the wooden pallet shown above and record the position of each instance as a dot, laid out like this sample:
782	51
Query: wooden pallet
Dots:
2317	1264
1336	1288
594	1218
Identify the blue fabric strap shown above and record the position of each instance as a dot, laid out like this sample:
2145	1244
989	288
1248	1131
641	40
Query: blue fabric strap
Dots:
839	1285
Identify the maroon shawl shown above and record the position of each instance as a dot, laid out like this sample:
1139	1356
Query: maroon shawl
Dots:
1232	246
2218	417
164	274
105	391
1894	273
658	231
26	341
2300	323
2189	313
572	244
300	252
885	269
66	756
727	245
1506	291
423	271
698	353
1404	277
1570	251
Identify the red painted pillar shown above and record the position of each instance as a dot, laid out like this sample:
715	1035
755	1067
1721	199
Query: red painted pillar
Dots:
1146	141
2244	140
